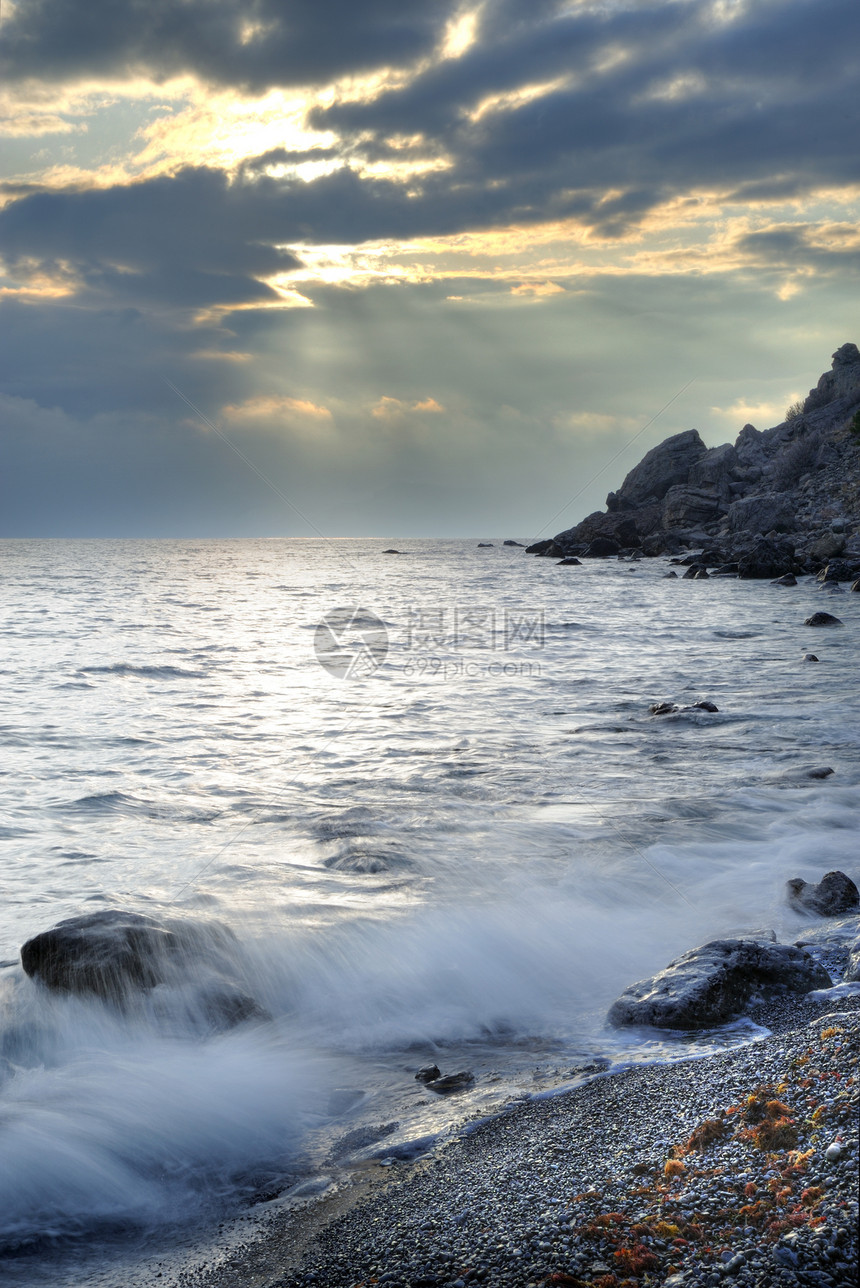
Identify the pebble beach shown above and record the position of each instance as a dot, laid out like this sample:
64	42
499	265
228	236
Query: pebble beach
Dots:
739	1167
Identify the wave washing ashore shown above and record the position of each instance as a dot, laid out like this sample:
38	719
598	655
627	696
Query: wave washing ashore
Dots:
739	1168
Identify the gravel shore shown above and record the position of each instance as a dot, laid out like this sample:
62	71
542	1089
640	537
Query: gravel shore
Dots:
738	1167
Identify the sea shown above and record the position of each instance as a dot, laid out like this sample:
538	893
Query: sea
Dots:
421	803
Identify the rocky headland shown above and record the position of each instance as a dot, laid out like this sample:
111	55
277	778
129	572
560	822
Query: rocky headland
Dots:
777	502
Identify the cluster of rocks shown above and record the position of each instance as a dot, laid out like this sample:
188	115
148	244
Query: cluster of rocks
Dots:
776	502
714	983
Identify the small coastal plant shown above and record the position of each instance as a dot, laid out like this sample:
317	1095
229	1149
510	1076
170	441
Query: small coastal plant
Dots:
854	425
794	409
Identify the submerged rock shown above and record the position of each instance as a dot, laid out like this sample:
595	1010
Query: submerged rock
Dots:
570	562
833	894
810	657
116	955
788	580
429	1073
714	983
671	708
452	1083
823	619
513	543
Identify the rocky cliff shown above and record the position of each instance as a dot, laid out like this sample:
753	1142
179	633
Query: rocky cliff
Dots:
785	499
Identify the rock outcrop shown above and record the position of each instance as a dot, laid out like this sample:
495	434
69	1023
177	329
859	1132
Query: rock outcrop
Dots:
714	983
783	500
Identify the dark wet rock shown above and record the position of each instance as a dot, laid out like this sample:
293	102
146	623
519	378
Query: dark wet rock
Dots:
619	527
823	619
570	562
512	543
702	575
428	1073
766	560
834	894
539	547
855	585
820	771
485	545
726	570
827	547
391	552
669	574
837	570
452	1083
602	547
852	969
810	657
117	956
788	580
671	708
714	983
693	571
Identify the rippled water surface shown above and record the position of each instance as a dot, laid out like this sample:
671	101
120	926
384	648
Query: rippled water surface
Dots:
458	853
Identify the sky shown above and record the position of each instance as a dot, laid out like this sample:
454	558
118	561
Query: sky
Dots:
377	268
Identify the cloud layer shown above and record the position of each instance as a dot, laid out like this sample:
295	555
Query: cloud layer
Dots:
394	227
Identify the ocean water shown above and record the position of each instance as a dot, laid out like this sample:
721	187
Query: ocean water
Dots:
425	794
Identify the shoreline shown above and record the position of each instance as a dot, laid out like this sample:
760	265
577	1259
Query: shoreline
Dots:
572	1189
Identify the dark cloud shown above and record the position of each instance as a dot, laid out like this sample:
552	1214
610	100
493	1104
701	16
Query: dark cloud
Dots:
801	247
760	104
763	108
774	89
297	42
188	239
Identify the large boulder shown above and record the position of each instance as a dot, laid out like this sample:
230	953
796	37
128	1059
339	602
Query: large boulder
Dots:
835	893
827	547
715	472
714	983
602	548
623	527
838	570
823	619
119	956
666	465
771	512
766	560
686	507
